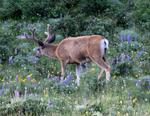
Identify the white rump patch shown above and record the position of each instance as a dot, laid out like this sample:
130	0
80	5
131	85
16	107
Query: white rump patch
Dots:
103	45
107	43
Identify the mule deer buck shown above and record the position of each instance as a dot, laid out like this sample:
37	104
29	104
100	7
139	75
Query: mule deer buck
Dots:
75	50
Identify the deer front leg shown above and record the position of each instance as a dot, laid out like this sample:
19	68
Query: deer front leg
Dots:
62	69
78	74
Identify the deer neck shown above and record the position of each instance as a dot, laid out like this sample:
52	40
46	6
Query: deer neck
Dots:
50	51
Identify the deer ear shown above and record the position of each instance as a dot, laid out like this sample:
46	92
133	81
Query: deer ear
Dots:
41	43
51	38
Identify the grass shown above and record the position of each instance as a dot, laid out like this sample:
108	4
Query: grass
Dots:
119	97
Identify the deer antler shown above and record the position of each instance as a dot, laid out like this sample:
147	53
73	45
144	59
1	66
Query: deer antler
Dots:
33	37
50	38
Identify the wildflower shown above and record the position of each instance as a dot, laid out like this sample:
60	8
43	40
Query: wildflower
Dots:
50	104
29	77
122	37
129	39
93	69
121	102
126	114
17	93
128	57
33	80
10	60
147	83
17	77
146	99
138	83
2	90
25	92
46	92
68	79
55	79
118	113
129	94
139	54
134	100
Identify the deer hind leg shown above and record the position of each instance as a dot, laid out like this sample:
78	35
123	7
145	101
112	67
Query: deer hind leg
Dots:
100	74
102	70
78	70
63	64
104	67
107	71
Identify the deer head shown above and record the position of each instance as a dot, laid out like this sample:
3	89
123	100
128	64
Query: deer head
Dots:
44	47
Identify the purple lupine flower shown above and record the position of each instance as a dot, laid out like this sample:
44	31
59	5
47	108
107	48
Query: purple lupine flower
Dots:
148	79
50	104
17	77
29	77
123	37
129	39
128	57
10	60
129	94
17	93
138	83
68	79
55	79
148	87
139	54
2	90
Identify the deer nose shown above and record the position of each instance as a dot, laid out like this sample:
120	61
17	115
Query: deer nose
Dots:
38	53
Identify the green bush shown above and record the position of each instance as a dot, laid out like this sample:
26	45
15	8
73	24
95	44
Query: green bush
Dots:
95	25
32	9
7	40
94	7
141	14
10	9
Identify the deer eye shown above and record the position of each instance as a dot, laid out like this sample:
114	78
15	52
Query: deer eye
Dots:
38	49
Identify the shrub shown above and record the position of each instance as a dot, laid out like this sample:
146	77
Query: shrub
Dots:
141	14
7	40
131	51
67	26
94	7
10	9
94	25
36	9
